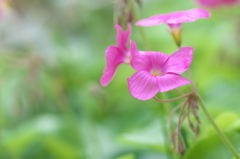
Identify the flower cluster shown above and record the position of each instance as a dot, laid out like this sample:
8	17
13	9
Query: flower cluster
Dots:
156	71
160	72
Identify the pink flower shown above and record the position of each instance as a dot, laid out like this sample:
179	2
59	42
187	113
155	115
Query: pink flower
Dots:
116	55
215	3
174	20
157	71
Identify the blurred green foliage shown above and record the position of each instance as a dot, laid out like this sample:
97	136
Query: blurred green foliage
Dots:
52	55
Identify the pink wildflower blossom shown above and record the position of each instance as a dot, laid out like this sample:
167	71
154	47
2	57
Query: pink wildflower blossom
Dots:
116	55
215	3
174	20
157	71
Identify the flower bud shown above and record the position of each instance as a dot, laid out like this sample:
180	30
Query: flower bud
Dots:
176	32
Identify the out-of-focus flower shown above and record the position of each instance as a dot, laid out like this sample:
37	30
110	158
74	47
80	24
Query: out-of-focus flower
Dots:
123	11
157	71
116	55
174	20
216	3
2	6
6	7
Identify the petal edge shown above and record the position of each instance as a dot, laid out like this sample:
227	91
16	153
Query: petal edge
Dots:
143	85
171	81
179	61
113	59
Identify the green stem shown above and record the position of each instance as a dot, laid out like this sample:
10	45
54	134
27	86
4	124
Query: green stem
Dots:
166	109
147	47
165	104
219	131
136	17
171	100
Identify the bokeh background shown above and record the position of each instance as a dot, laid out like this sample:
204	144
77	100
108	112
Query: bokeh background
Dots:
52	106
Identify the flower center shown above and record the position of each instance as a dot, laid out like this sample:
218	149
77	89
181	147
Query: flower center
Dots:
127	60
156	72
127	57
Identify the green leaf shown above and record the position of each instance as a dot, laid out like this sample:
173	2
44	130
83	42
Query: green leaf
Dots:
145	137
127	156
213	147
224	121
235	126
16	144
61	149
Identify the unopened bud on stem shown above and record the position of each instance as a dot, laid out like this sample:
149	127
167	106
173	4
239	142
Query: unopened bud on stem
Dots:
176	32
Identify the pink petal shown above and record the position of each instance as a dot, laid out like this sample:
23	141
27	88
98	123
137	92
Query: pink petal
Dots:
114	57
154	20
171	81
142	85
134	50
123	37
179	61
175	17
187	16
146	60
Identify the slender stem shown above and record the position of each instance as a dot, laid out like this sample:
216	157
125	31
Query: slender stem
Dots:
166	109
190	74
219	131
165	104
189	119
173	112
183	118
144	38
136	17
166	141
171	100
179	92
180	116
